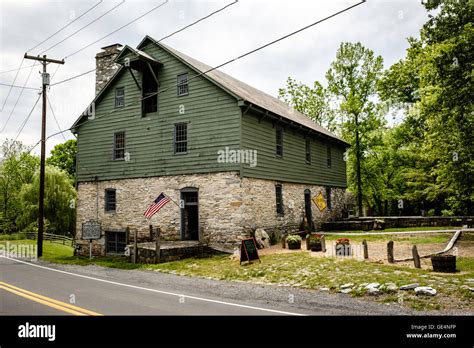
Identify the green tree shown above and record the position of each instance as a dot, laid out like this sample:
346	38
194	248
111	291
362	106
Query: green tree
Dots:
313	102
63	156
434	85
17	167
59	204
352	80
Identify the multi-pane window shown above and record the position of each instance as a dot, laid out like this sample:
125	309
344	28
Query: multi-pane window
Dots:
328	156
180	138
119	146
110	200
115	242
119	97
149	92
328	197
183	86
279	142
308	151
279	199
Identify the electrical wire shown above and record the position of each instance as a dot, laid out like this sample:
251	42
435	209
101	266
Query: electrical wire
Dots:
116	30
163	38
73	77
83	27
13	83
54	116
67	25
19	96
27	118
16	86
241	56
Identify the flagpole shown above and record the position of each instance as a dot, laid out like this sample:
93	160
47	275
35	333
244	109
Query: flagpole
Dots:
171	199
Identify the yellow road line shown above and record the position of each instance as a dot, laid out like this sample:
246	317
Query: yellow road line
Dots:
59	305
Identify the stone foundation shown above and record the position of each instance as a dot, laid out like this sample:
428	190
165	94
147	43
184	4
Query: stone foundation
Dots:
230	207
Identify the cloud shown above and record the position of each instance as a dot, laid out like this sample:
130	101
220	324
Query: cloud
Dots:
382	26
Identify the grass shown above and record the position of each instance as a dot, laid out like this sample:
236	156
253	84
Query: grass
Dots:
301	270
12	236
403	229
413	239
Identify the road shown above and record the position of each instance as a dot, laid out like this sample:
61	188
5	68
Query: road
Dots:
48	289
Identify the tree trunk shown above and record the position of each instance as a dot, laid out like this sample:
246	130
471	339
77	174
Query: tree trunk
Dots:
359	179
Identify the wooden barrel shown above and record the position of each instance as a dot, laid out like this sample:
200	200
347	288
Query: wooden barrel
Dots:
444	263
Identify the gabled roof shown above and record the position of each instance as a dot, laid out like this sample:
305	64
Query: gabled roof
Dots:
137	53
235	87
245	91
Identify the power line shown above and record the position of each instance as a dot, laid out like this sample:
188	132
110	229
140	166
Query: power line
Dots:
54	115
27	118
73	77
241	56
19	96
49	37
16	86
14	80
83	27
199	20
163	38
12	70
120	28
64	27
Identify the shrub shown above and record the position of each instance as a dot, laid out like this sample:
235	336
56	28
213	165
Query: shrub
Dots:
314	239
293	239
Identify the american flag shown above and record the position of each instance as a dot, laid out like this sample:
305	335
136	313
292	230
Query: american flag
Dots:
155	207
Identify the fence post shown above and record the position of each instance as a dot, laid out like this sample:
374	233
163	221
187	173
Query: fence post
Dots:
135	242
366	249
157	245
283	242
416	257
323	244
390	257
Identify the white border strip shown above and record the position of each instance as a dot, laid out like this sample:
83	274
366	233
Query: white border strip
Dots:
159	291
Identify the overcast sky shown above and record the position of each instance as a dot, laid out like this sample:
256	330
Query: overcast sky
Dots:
380	25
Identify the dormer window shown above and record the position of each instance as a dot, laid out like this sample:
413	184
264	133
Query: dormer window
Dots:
183	87
149	92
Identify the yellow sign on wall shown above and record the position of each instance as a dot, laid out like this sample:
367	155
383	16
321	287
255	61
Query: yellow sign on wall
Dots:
320	201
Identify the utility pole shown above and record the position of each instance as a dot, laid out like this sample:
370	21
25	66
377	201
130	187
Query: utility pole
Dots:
45	78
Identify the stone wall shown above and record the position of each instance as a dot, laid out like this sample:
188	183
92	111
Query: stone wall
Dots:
260	204
229	207
220	210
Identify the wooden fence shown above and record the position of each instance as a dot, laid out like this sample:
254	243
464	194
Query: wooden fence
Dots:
53	238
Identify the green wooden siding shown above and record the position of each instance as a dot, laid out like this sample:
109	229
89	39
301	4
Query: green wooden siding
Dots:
212	115
292	167
214	121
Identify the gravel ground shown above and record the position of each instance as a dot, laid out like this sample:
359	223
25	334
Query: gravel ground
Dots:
269	296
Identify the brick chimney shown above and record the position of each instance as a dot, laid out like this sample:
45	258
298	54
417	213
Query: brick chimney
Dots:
105	66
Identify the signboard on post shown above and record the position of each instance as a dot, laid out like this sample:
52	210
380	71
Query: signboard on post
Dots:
248	251
91	230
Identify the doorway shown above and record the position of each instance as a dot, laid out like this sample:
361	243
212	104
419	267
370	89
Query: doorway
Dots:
307	209
189	214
